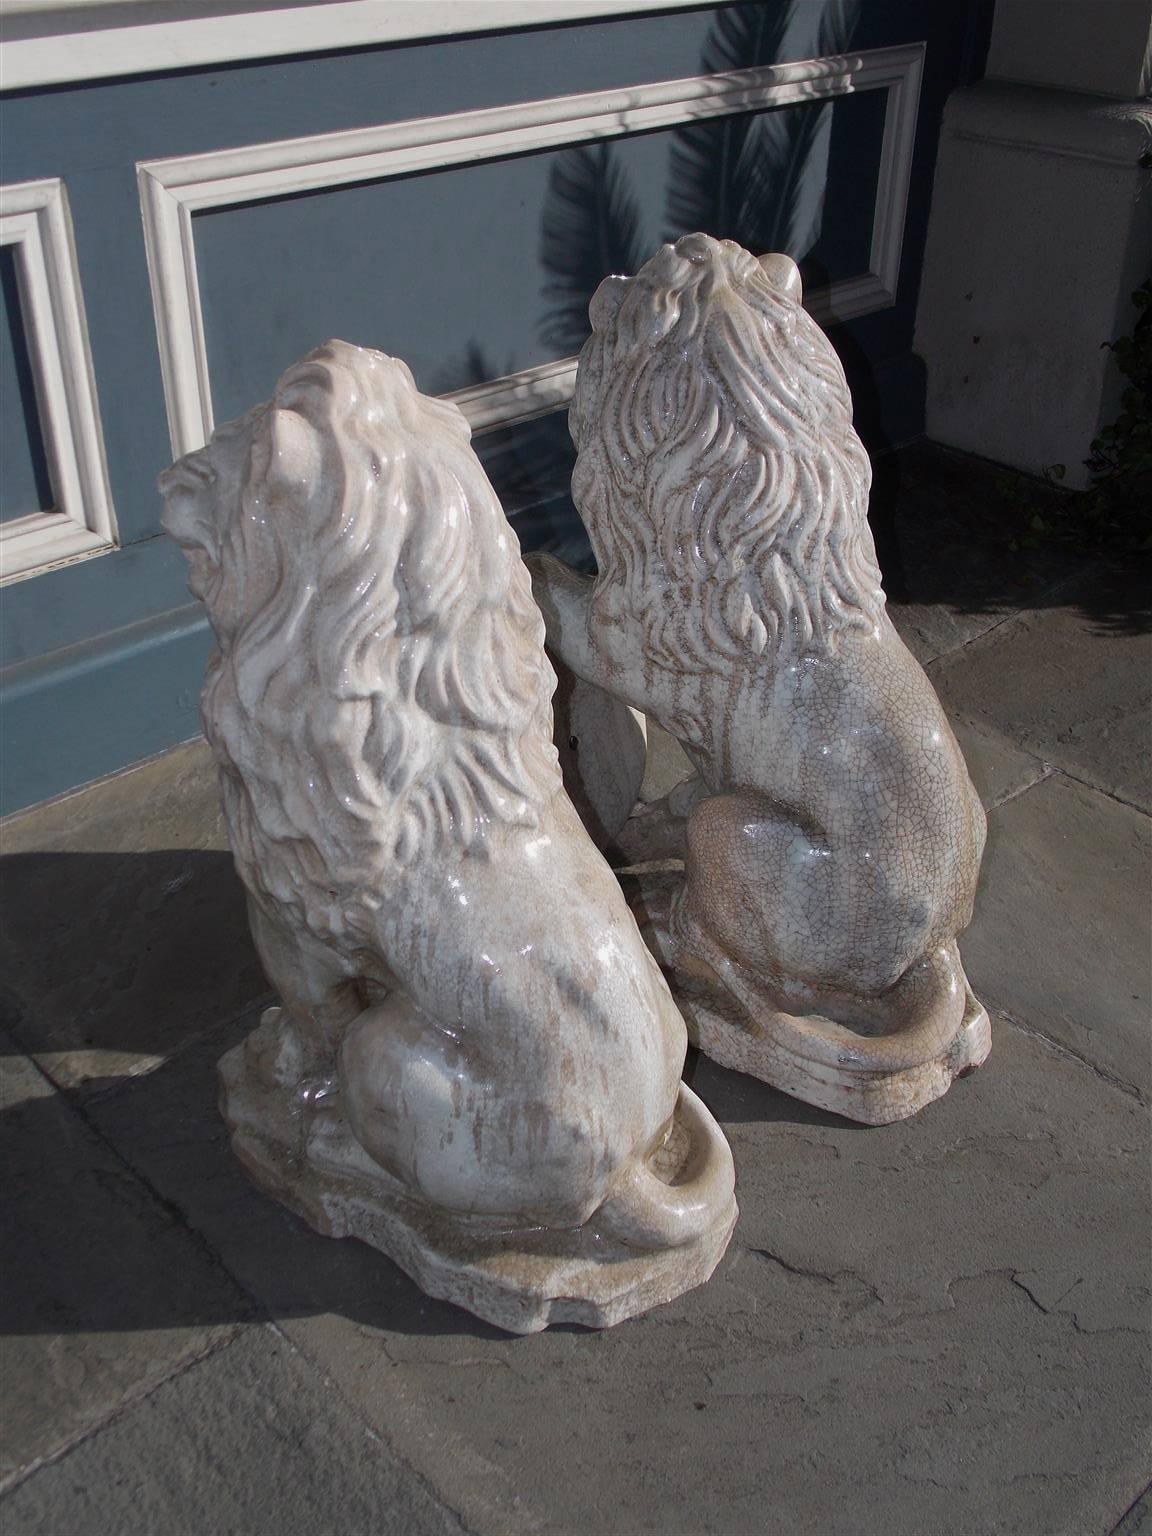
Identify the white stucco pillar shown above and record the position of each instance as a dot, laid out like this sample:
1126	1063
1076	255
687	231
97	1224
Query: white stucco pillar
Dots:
1041	227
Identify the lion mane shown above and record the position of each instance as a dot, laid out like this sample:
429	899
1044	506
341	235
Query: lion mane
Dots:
379	689
718	474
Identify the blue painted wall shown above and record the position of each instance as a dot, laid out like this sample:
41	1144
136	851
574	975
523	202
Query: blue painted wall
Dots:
468	272
399	264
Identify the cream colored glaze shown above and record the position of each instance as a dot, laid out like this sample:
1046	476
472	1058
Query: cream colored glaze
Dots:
473	1032
831	836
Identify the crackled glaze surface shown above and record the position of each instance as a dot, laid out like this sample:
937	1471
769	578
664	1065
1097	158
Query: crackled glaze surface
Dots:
603	753
476	1066
831	837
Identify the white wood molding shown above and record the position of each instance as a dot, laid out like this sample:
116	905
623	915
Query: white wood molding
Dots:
517	396
47	43
900	77
34	218
173	190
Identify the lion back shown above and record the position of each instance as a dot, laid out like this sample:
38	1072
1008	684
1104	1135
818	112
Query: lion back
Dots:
379	690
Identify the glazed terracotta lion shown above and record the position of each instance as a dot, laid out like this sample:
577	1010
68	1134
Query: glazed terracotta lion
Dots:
831	835
476	1065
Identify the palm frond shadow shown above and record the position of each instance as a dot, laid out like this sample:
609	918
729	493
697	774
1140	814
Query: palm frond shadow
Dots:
474	367
529	464
758	178
591	228
706	188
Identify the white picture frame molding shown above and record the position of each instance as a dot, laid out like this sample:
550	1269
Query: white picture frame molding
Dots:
173	191
34	218
48	42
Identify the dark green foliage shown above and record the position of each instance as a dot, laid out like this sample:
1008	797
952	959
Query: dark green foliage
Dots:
1119	501
1114	514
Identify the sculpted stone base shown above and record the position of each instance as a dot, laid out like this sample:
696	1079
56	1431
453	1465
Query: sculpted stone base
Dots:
722	1030
736	1036
296	1147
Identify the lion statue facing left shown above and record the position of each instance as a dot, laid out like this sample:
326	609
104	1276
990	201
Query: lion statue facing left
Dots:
476	1064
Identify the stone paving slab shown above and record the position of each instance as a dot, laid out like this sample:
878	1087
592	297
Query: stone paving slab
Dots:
248	1443
935	1326
998	770
930	630
1060	939
170	1122
1071	684
103	1293
123	930
1138	1520
946	526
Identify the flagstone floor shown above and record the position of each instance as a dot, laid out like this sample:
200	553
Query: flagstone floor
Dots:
936	1327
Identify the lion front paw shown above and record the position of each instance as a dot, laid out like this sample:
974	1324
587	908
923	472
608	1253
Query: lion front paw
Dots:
273	1050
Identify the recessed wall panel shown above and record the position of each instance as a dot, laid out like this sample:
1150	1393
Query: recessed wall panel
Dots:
477	271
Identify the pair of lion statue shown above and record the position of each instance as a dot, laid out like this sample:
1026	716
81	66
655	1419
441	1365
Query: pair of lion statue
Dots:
476	1064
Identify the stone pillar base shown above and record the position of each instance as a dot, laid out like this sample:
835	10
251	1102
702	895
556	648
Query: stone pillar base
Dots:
1041	228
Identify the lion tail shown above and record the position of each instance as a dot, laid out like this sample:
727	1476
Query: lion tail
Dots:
675	1206
911	1026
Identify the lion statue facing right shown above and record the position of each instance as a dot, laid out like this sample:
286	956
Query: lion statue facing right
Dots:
476	1064
831	836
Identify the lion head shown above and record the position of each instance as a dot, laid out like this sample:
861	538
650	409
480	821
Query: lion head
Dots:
379	686
718	474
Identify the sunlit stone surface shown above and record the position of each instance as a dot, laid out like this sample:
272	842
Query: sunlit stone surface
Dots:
476	1061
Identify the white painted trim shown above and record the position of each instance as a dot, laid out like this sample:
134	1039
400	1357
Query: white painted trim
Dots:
34	218
517	396
901	78
43	46
172	191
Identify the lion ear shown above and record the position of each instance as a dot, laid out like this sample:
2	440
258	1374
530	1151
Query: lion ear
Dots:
783	273
606	301
292	459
